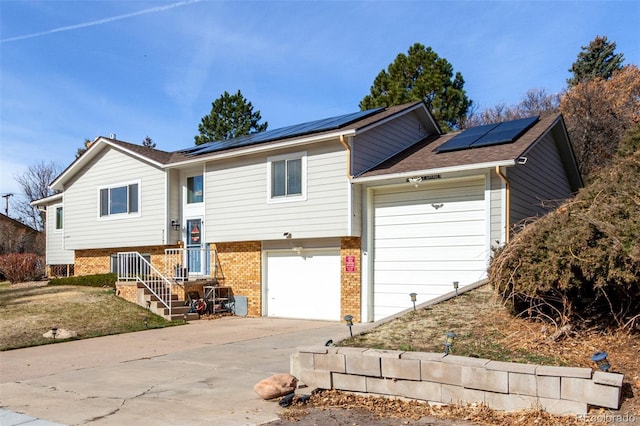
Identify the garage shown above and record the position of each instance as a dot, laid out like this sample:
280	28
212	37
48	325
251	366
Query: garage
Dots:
303	285
425	238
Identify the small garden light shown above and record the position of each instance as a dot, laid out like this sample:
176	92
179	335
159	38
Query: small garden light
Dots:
450	337
54	331
455	287
413	299
349	320
600	358
148	305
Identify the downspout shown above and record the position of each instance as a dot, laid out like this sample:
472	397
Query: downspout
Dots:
507	219
348	148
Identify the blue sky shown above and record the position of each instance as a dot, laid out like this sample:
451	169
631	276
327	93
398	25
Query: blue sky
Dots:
71	70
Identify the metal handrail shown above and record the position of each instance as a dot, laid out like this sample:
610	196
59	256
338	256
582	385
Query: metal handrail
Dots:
131	265
176	262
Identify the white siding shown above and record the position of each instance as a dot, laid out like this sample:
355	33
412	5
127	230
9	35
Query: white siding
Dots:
84	230
541	180
380	143
497	213
426	238
56	253
237	207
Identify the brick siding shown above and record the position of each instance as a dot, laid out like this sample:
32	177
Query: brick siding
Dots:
350	288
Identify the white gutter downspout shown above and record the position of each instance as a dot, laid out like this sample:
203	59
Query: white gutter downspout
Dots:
507	186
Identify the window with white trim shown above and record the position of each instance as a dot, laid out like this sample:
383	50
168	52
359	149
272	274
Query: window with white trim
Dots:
120	200
287	177
59	218
195	189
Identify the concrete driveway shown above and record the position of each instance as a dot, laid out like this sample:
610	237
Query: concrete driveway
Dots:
200	373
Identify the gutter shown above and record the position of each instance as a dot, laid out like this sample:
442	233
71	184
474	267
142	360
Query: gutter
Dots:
507	219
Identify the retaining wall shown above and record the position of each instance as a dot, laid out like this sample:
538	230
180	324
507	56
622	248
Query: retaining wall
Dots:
455	379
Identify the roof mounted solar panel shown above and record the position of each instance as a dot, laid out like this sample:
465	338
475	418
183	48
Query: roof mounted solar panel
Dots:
506	132
488	135
465	139
282	133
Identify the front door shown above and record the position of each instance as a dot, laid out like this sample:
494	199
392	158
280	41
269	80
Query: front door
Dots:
194	247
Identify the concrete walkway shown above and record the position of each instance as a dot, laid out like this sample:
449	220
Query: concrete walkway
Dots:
197	374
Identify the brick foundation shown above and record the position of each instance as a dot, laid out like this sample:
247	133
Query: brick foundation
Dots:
350	288
98	261
241	269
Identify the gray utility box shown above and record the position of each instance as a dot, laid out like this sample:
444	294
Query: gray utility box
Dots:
240	306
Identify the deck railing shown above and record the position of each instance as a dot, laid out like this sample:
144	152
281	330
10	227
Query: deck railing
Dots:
132	266
183	263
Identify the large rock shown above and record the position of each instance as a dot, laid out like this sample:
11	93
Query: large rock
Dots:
276	386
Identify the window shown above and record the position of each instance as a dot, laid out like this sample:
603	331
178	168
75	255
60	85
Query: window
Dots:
59	220
194	189
287	177
119	200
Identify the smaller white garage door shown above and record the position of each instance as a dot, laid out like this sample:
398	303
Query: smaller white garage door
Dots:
305	285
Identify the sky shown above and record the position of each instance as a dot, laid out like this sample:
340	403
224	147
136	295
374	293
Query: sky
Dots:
74	70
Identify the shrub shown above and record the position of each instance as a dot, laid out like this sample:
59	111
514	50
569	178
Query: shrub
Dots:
20	267
581	263
99	280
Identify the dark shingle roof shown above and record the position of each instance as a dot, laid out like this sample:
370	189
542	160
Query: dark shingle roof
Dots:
422	155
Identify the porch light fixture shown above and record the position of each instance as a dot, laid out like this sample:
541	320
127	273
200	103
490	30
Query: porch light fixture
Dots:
349	320
287	235
456	284
175	225
413	299
448	342
54	331
600	358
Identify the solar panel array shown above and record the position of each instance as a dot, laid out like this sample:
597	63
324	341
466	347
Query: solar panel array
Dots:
281	133
488	135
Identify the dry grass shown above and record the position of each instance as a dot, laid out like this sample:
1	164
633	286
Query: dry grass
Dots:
31	309
485	329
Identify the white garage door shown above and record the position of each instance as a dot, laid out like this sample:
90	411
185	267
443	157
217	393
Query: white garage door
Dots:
305	285
425	238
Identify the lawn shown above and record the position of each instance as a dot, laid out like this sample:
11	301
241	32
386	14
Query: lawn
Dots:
30	310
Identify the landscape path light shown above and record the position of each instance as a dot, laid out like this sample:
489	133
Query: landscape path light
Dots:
450	337
413	299
456	284
54	331
349	320
600	358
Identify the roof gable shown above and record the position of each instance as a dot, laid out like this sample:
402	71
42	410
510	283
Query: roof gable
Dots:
425	157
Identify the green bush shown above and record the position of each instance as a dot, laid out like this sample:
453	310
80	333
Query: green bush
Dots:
100	280
580	265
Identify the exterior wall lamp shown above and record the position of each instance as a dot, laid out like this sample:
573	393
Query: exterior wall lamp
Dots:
175	225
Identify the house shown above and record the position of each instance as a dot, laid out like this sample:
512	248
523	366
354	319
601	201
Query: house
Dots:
16	237
342	216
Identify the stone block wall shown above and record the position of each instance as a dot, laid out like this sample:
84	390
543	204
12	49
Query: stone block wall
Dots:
457	380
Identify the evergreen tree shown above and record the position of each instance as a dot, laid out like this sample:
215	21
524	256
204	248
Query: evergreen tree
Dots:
596	60
231	116
148	142
421	75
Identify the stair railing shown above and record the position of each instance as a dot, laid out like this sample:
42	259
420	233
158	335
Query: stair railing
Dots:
132	266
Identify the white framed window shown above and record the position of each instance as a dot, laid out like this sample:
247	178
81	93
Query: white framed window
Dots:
119	200
195	189
59	217
287	177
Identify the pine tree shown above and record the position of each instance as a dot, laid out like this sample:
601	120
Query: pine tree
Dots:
421	75
231	116
598	59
